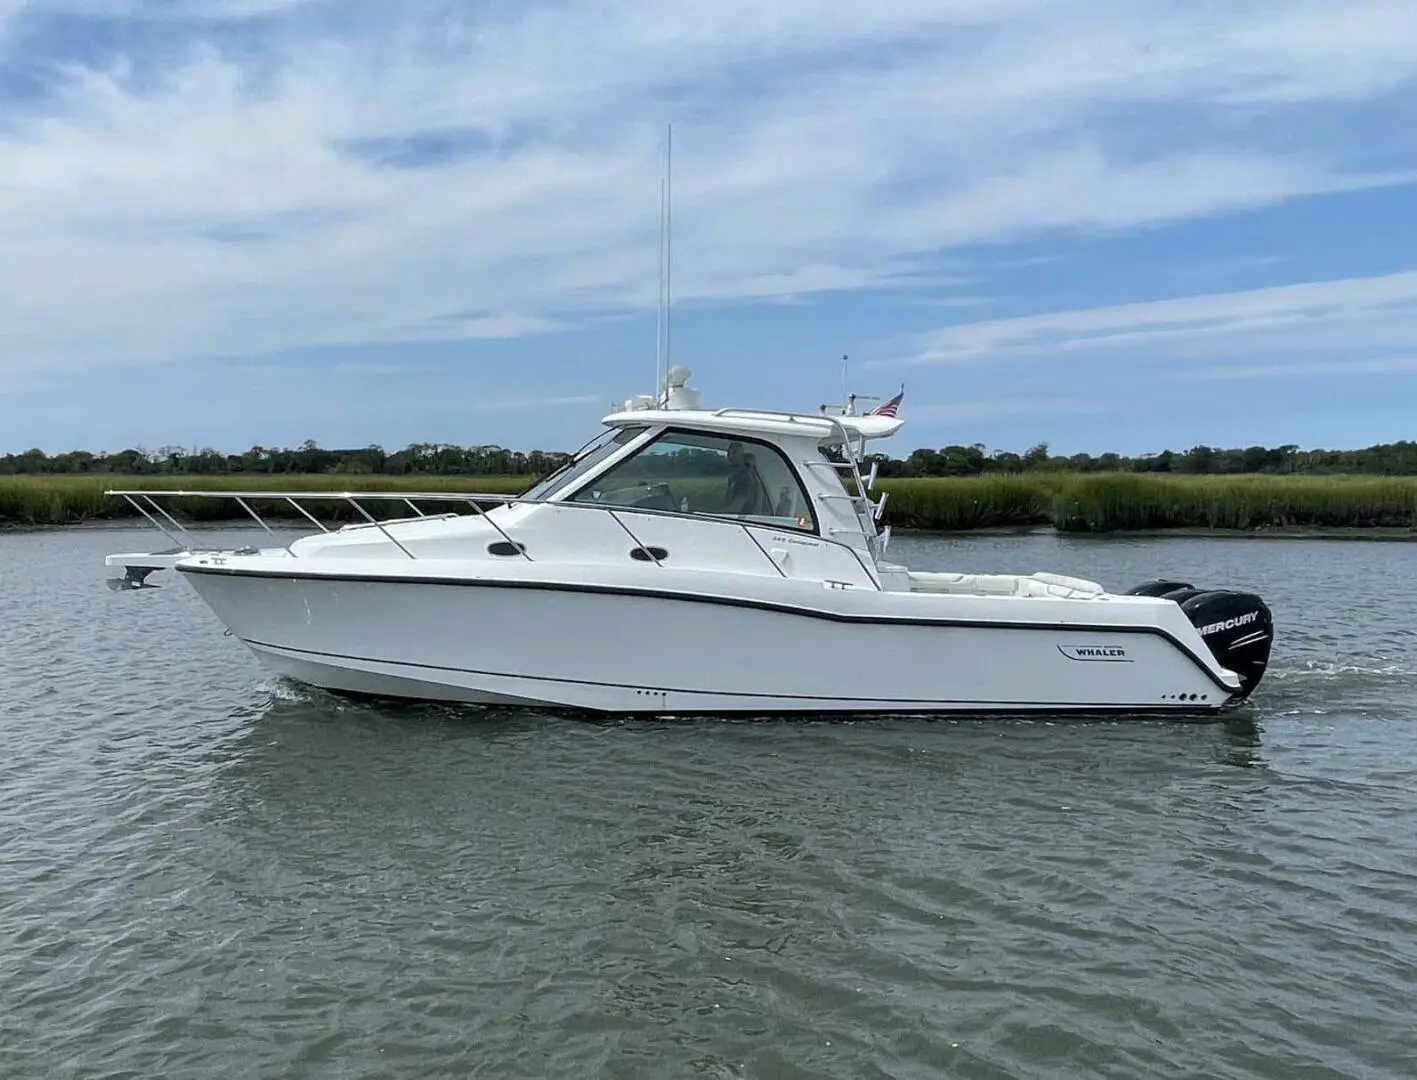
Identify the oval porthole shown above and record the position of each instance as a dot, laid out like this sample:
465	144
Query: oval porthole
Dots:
506	547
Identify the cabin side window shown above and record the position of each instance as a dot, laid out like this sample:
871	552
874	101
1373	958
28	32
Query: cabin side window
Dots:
715	475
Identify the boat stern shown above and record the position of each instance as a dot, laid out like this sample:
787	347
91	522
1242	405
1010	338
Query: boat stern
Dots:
1237	627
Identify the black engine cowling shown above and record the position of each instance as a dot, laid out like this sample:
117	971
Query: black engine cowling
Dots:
1159	587
1237	627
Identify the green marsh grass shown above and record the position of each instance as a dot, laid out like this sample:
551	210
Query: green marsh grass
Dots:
70	499
1111	502
1072	502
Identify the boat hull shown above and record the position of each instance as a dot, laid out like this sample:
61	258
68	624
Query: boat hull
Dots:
613	647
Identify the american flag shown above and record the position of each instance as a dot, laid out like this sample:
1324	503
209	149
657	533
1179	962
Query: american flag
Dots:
888	408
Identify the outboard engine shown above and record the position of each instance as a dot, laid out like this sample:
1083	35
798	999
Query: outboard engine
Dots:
1237	627
1157	588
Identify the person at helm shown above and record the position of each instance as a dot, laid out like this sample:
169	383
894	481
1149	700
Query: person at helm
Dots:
746	492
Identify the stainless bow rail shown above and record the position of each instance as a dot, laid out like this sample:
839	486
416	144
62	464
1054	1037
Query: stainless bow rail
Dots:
186	541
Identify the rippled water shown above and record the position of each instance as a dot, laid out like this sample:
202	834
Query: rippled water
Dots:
208	873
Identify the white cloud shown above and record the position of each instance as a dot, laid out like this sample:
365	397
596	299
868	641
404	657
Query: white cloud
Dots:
536	404
1353	316
221	195
995	408
1386	365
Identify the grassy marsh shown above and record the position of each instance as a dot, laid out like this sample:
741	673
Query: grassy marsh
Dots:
1070	502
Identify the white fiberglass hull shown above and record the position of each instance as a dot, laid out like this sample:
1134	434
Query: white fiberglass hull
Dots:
622	645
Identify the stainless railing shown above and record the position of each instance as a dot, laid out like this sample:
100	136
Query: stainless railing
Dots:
185	540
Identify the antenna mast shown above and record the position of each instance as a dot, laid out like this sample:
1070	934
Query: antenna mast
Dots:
668	239
659	301
663	300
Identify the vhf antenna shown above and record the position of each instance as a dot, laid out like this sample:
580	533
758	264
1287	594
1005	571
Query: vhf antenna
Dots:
659	302
666	254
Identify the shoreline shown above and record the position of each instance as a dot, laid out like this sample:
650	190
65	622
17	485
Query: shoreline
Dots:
1392	533
1384	533
1097	505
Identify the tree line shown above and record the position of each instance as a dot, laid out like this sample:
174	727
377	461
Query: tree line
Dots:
435	459
1385	459
422	459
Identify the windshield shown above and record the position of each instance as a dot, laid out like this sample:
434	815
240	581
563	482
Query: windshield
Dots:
609	442
695	472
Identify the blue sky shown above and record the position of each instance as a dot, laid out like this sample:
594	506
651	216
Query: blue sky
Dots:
1108	224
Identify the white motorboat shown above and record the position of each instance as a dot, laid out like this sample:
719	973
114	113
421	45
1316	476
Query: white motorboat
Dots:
698	561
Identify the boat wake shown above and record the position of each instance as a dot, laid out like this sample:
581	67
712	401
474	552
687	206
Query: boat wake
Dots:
1357	669
1356	687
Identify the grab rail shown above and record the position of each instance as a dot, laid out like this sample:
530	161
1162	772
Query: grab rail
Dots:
189	542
